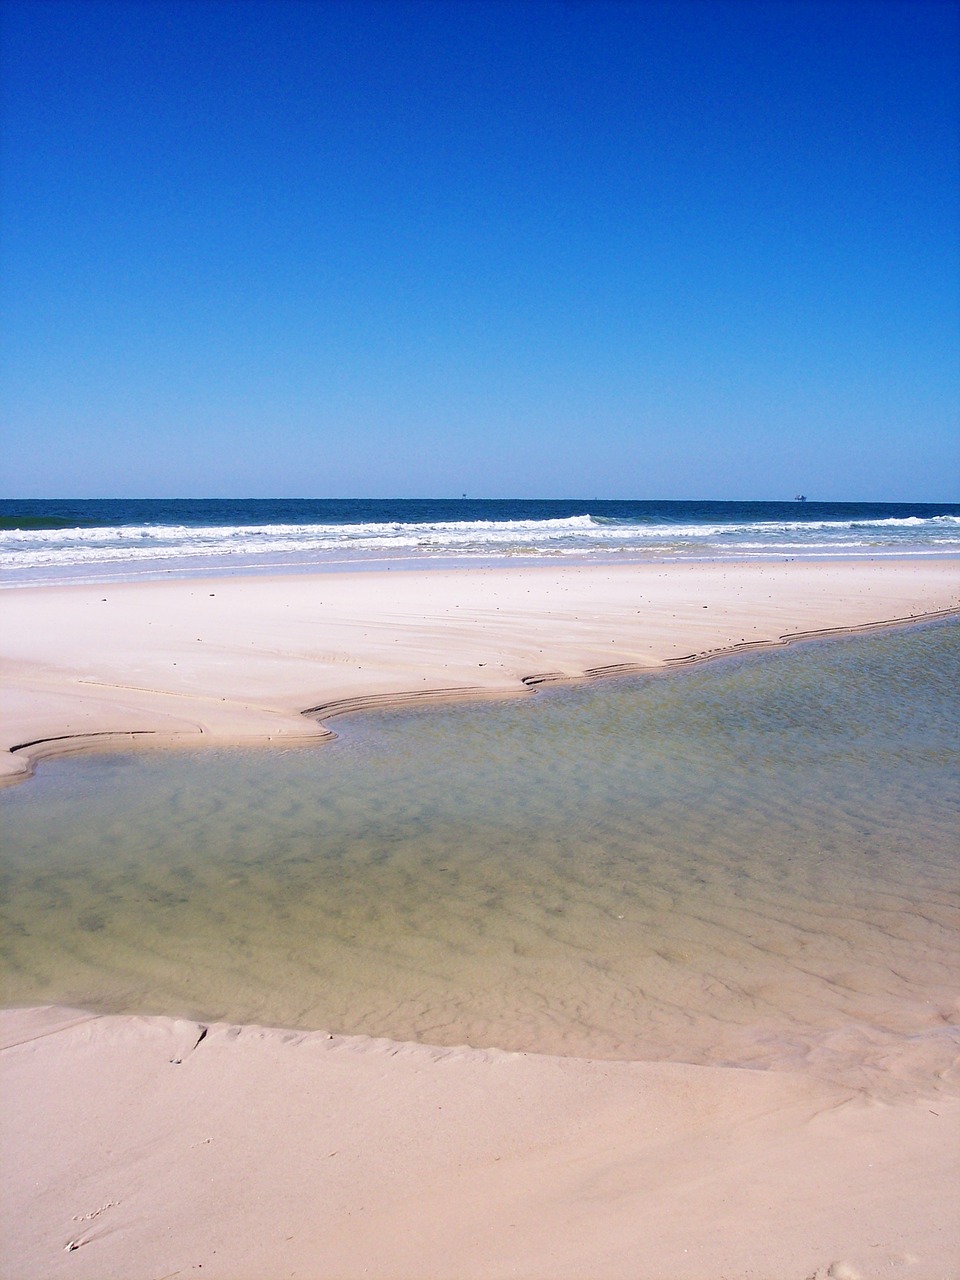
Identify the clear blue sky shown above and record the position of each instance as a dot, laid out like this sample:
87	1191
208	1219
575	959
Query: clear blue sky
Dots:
632	250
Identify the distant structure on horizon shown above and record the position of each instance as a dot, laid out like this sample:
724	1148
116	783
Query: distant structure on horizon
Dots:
801	497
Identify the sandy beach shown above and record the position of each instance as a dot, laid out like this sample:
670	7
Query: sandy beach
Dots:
158	1147
242	659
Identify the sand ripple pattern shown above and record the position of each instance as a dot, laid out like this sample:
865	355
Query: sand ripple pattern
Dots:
751	862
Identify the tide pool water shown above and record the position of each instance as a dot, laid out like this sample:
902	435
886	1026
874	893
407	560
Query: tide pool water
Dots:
750	861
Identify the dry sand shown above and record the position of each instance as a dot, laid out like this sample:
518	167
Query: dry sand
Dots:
137	1151
240	659
155	1147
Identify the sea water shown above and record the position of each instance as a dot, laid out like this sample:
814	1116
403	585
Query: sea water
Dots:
750	861
97	539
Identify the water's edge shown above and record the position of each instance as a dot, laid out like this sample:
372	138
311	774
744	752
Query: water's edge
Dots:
38	750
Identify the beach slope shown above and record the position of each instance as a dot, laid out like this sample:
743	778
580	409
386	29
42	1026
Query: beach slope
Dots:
149	1147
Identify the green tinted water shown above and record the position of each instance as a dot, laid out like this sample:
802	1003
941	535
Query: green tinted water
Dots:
750	861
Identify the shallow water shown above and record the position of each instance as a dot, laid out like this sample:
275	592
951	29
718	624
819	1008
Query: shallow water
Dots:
751	861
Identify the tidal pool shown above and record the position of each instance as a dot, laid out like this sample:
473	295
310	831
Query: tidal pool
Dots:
749	861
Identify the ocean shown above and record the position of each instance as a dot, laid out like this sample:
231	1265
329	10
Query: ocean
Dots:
52	541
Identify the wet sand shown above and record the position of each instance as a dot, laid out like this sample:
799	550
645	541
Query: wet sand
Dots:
162	1146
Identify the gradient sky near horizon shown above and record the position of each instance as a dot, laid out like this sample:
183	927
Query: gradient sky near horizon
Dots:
637	250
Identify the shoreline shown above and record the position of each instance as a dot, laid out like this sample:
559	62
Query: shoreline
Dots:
169	1147
18	579
74	680
149	1146
385	702
61	746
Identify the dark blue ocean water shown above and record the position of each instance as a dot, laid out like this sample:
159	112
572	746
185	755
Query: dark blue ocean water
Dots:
88	513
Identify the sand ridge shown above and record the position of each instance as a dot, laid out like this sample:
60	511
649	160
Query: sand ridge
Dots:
240	659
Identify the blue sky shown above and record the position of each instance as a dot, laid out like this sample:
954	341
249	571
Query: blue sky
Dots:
630	250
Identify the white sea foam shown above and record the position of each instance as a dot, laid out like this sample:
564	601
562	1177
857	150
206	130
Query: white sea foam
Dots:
71	552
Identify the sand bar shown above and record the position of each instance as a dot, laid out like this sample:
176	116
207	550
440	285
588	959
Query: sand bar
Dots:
160	1147
240	659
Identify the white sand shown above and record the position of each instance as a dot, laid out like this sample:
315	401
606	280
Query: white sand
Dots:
239	659
131	1150
132	1147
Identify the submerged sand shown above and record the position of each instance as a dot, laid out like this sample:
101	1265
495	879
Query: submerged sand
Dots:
152	1147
